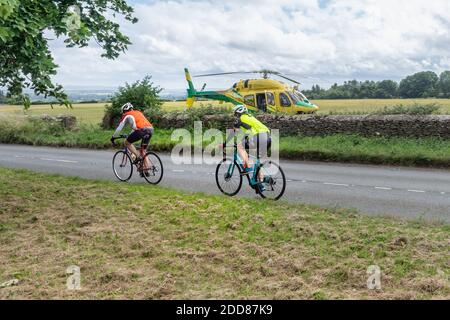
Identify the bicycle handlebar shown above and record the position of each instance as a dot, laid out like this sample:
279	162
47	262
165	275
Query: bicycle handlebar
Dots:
122	136
113	139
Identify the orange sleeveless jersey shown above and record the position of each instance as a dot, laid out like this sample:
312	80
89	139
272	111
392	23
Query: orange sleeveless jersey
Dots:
141	120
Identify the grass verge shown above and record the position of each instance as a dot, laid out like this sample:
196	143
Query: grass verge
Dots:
428	152
432	152
168	244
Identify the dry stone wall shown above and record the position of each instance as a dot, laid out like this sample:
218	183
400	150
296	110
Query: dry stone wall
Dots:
366	125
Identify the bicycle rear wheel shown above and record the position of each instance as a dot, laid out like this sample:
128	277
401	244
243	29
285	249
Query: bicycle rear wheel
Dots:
156	171
122	166
274	182
228	177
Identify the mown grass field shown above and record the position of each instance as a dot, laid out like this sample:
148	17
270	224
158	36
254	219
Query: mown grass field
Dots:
93	112
167	244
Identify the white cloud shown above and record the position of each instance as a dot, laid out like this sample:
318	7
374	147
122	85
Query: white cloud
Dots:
341	39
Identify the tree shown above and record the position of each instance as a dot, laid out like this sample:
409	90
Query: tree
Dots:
25	58
2	97
316	92
444	84
368	90
143	95
386	89
351	89
419	85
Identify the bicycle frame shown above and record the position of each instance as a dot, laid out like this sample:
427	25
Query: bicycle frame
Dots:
253	180
142	150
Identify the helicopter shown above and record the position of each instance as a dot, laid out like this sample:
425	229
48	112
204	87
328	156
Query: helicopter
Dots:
264	94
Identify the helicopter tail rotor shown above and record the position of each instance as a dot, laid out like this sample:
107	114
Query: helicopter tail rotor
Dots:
191	89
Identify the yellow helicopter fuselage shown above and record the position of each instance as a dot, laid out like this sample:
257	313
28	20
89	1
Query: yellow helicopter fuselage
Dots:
266	95
270	95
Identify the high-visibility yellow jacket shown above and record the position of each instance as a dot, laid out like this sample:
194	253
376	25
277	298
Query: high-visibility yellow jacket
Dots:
250	125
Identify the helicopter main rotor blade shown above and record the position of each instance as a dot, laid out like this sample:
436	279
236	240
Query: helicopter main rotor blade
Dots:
219	74
264	72
276	73
292	80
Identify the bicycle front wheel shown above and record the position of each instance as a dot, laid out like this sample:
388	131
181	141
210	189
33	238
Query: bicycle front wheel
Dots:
228	177
273	182
122	166
155	173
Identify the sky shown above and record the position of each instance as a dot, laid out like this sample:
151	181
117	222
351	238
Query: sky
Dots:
313	41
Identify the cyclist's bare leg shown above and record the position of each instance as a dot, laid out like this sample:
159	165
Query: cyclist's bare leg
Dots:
260	176
147	162
132	148
263	156
243	154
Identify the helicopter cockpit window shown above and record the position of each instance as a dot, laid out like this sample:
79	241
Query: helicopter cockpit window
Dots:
284	100
301	96
294	97
250	100
270	98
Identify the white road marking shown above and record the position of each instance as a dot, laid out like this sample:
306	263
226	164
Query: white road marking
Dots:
336	184
417	191
288	180
59	160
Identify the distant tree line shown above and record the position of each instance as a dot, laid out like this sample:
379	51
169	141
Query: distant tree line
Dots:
425	84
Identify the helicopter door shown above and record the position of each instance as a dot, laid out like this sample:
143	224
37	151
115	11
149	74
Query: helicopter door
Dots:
261	101
270	98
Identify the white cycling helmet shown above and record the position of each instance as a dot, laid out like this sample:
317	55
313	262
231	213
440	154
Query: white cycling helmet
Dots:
240	109
127	107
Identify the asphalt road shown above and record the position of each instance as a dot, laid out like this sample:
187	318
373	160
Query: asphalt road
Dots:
373	190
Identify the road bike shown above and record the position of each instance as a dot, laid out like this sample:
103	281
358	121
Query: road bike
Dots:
124	162
267	178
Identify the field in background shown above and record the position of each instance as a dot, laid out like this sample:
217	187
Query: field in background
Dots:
338	106
93	112
169	244
370	105
90	113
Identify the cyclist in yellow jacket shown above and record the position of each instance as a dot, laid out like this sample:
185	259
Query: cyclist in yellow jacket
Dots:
257	135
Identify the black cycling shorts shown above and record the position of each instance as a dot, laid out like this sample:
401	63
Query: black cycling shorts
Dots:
145	134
